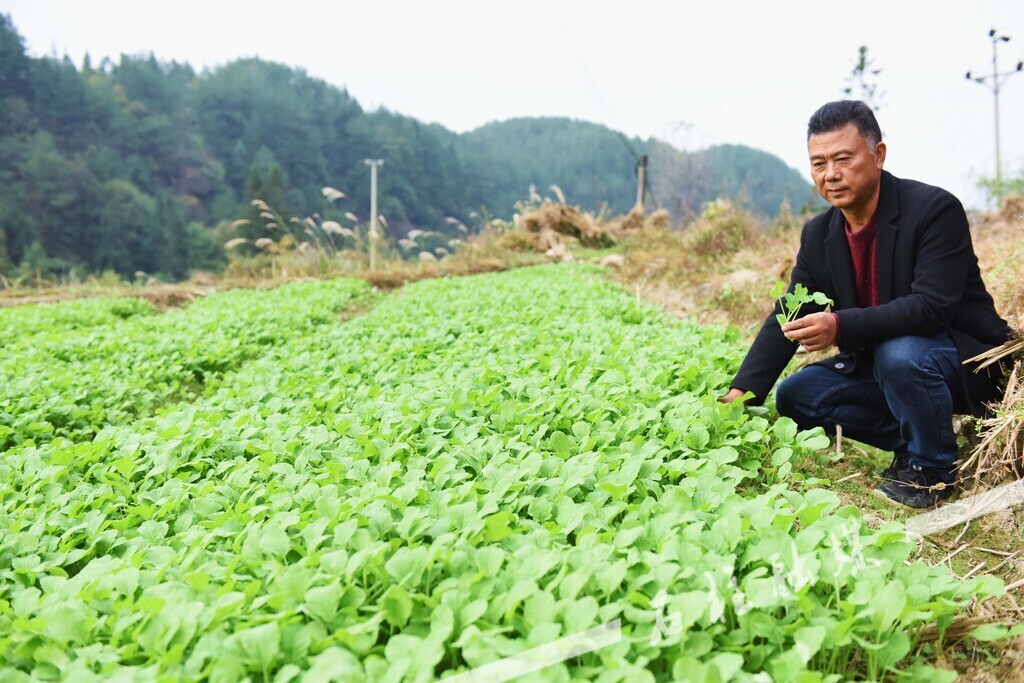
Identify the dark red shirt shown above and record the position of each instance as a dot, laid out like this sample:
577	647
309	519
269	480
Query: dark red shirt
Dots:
865	272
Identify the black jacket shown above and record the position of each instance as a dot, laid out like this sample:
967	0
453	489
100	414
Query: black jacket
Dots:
928	282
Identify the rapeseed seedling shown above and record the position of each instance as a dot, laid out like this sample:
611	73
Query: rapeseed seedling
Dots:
792	302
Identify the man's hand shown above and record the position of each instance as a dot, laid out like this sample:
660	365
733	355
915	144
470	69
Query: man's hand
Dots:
814	332
732	395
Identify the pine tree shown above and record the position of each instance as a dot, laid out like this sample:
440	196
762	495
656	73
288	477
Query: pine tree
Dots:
172	257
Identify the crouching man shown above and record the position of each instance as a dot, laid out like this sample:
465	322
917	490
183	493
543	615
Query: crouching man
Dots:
896	258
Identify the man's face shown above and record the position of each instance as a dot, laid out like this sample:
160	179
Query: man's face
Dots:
844	170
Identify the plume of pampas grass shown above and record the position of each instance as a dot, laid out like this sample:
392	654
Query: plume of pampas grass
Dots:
231	244
264	243
458	224
335	228
332	194
534	197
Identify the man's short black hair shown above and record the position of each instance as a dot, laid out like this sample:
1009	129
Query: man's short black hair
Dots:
836	115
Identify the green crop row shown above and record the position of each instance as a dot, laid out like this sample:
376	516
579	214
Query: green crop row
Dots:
19	324
82	374
475	467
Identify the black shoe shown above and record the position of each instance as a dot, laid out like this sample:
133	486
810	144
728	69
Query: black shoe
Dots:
917	487
889	473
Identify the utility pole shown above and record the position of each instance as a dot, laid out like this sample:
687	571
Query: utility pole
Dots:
641	181
373	164
994	81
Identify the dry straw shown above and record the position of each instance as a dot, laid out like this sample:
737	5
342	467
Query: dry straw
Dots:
1001	447
1002	442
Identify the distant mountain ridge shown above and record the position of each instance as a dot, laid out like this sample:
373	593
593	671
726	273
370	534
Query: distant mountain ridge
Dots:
141	165
592	164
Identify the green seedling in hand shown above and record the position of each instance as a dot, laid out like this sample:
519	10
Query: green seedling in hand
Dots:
792	302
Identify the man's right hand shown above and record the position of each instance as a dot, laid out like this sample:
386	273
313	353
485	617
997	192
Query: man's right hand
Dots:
733	394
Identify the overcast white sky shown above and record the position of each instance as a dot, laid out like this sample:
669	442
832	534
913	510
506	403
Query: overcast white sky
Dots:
693	74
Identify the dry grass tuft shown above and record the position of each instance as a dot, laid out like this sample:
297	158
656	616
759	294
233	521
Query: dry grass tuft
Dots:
555	228
552	222
999	453
721	229
635	220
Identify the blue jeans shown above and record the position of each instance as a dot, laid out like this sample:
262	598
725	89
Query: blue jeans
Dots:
902	402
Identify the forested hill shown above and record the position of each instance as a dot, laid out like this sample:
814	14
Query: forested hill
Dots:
138	165
592	164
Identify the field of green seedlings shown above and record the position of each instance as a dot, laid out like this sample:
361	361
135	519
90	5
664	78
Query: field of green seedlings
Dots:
262	488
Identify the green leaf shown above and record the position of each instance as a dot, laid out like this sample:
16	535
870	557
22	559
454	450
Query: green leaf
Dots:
580	615
726	665
273	540
807	641
781	456
613	377
442	623
408	564
334	664
727	530
814	440
697	437
396	605
821	299
259	647
888	604
421	654
990	632
471	612
322	601
498	526
784	430
894	649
